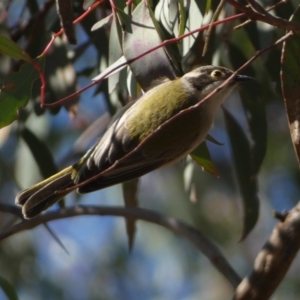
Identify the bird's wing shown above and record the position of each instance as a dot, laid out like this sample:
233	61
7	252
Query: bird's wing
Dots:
122	155
116	159
121	160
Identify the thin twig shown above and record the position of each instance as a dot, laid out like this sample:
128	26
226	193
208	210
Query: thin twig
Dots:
256	6
213	19
269	19
268	9
129	61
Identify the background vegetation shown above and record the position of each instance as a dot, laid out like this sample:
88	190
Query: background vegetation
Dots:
254	170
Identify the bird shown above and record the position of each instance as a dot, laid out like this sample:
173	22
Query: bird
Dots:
159	129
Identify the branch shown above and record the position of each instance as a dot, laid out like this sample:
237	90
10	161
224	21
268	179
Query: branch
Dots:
205	246
265	17
274	259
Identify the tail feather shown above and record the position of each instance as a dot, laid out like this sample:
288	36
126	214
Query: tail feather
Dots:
44	194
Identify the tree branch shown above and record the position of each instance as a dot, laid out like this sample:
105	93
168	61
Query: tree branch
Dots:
204	245
274	259
266	17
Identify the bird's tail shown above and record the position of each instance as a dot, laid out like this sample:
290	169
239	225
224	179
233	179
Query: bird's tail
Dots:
39	197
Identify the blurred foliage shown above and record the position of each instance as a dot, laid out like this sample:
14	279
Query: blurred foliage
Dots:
247	155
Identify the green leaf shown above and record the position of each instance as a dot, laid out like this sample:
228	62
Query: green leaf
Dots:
253	99
16	93
40	152
8	289
88	3
130	189
247	181
182	17
172	50
290	82
140	36
257	123
13	50
202	157
208	6
102	22
115	53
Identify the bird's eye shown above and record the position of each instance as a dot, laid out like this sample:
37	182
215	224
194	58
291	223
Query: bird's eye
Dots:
216	74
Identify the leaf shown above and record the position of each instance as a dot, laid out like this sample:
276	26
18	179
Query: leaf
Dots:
16	92
166	13
61	77
140	36
253	97
12	49
182	17
172	49
257	123
102	22
8	289
41	154
65	14
207	7
105	74
290	82
88	3
202	157
115	53
194	21
247	181
130	189
177	22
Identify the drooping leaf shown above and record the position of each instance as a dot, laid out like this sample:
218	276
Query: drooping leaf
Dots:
16	92
257	122
166	13
207	7
41	154
115	53
182	18
253	97
8	289
178	19
106	73
194	20
140	36
102	22
65	13
130	189
202	157
12	49
88	3
61	77
247	181
171	49
290	82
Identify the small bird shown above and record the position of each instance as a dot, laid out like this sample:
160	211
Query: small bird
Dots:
156	130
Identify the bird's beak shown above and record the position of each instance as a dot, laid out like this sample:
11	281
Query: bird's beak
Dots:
239	78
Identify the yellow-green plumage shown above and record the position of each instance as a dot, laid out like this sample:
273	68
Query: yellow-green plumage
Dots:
153	112
160	128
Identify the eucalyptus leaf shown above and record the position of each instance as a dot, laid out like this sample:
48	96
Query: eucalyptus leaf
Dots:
202	157
140	36
247	181
16	92
12	49
290	82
